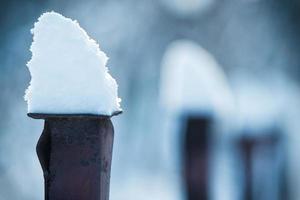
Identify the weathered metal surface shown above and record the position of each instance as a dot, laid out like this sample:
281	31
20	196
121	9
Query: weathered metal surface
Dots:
75	153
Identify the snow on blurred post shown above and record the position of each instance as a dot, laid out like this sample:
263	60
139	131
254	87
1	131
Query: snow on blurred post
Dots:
259	136
73	92
194	88
188	8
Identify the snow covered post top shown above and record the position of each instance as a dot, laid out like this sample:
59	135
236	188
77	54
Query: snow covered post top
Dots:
68	71
72	90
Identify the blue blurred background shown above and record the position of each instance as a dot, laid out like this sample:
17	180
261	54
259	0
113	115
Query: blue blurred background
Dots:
210	92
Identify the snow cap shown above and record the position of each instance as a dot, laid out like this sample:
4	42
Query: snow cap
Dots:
192	80
68	71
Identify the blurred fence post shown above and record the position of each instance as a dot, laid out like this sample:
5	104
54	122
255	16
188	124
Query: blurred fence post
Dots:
246	146
75	152
250	147
196	156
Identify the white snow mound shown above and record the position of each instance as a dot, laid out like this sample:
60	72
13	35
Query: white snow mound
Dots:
68	70
192	80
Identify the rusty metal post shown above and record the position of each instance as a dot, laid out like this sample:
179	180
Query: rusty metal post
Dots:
75	152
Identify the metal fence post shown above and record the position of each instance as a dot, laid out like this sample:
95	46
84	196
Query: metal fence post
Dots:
75	152
196	156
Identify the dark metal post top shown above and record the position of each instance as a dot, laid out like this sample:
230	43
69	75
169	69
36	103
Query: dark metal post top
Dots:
77	115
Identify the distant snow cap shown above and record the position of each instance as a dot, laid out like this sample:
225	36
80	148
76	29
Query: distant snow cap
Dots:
188	8
192	80
68	71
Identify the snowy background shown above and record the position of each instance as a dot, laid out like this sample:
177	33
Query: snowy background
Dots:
235	61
